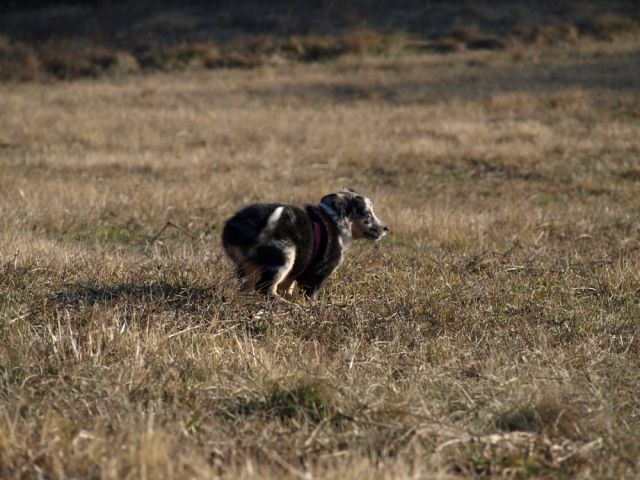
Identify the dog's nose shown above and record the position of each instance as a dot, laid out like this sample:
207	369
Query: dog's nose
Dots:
385	228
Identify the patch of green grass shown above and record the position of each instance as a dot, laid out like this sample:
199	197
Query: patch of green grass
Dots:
541	201
303	400
117	234
450	174
490	191
112	229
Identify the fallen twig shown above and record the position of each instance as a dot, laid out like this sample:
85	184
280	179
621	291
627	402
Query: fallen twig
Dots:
171	224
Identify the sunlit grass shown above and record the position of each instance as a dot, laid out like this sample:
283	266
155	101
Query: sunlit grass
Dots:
492	333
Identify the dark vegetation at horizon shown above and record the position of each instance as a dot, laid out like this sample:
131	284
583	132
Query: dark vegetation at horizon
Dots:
46	40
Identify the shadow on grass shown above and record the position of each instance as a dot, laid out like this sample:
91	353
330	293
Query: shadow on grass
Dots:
302	400
140	299
551	415
173	295
617	73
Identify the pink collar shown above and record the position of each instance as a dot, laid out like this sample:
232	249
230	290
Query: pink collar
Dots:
317	239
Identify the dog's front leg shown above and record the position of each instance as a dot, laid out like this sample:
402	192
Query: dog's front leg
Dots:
311	290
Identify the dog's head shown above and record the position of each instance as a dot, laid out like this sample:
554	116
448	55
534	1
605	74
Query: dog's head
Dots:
357	211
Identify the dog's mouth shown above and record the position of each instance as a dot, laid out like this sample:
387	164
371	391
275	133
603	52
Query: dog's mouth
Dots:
372	235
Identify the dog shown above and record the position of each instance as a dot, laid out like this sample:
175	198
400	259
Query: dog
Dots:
275	245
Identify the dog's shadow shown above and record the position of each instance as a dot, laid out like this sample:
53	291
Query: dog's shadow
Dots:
248	313
158	294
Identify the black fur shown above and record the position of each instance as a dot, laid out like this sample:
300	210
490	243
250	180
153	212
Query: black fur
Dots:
276	253
295	227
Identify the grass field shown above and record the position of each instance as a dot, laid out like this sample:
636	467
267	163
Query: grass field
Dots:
494	332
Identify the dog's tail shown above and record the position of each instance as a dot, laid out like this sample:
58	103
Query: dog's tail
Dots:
271	224
249	227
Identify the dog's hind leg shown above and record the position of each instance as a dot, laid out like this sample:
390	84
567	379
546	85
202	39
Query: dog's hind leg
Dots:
276	264
248	274
287	286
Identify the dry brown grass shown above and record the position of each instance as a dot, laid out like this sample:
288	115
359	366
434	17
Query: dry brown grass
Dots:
493	333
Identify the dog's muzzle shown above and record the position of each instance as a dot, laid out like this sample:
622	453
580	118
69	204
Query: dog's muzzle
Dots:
378	232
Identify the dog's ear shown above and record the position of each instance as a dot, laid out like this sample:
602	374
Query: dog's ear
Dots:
339	202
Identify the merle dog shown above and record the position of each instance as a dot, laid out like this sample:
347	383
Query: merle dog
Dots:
275	245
